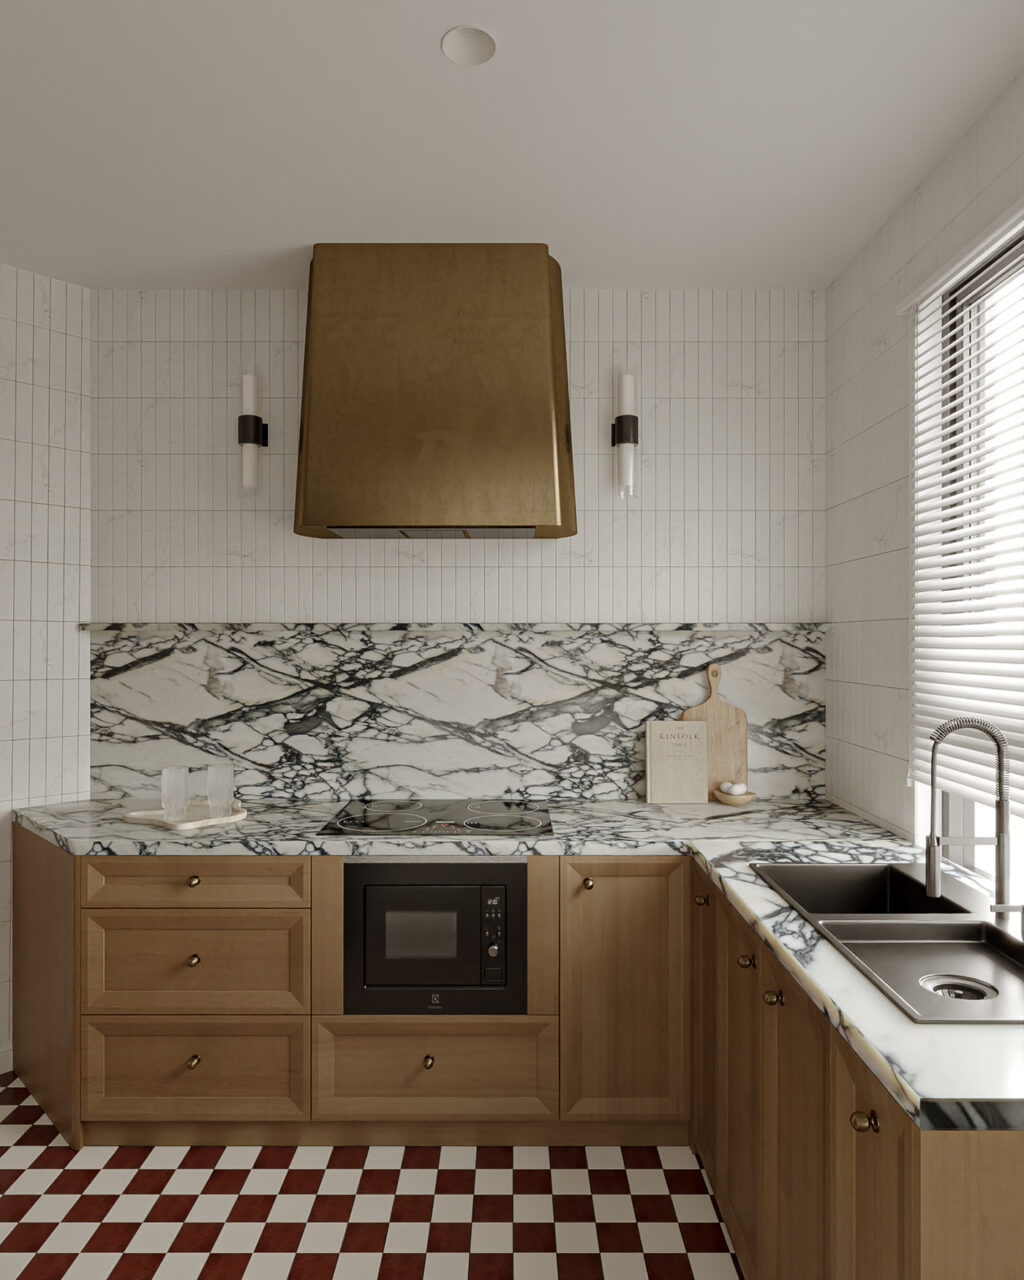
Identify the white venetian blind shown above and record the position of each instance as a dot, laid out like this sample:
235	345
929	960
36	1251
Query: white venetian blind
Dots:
968	502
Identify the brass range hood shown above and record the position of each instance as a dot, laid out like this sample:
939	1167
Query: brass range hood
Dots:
435	400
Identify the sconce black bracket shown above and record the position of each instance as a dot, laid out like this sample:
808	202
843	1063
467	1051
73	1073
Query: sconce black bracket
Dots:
252	430
626	429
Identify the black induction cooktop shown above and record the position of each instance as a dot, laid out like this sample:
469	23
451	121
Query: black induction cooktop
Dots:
397	818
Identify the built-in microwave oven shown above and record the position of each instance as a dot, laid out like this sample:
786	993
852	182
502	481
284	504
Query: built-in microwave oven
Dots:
432	937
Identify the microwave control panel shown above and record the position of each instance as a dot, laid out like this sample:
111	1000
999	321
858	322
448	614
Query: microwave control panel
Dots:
492	914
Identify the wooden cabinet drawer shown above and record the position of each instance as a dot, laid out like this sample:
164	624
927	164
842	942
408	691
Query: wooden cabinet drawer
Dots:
195	961
200	881
242	1068
490	1068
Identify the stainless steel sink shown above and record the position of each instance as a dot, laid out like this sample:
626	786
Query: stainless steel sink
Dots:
938	970
939	959
852	889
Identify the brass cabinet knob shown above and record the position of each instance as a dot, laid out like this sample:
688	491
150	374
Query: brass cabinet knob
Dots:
773	998
193	1062
192	881
864	1121
588	883
702	899
747	962
192	961
428	1062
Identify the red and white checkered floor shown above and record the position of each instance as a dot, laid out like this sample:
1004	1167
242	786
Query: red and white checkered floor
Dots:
353	1213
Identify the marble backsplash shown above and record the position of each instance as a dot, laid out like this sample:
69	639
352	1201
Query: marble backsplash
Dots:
324	712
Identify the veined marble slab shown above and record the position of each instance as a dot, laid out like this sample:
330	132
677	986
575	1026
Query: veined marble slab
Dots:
580	827
316	712
946	1076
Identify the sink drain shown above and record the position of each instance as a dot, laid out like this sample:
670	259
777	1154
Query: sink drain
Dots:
955	986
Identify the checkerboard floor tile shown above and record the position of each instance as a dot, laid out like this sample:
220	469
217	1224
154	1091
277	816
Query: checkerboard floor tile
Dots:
348	1213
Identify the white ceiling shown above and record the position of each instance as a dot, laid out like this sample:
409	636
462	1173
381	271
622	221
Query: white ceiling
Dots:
668	142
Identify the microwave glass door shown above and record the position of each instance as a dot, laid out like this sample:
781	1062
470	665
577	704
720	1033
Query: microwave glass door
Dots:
422	935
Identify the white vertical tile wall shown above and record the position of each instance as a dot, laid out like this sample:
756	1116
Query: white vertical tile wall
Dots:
869	427
728	524
45	415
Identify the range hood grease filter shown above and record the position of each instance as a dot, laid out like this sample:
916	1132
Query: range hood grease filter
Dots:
435	399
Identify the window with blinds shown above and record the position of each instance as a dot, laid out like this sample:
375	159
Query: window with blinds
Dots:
968	503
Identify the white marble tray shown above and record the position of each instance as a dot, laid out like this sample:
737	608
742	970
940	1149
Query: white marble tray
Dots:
194	820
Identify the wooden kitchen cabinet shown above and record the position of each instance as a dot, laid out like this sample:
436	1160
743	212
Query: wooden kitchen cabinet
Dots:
794	1055
703	1089
206	961
377	1067
738	1073
128	970
766	1074
872	1214
200	880
195	1069
819	1172
623	988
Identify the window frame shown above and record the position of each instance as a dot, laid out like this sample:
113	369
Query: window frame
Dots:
960	814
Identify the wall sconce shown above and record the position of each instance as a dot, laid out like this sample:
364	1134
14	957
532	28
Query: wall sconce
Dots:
252	433
625	437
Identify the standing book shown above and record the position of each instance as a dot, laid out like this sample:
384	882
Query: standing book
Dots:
677	762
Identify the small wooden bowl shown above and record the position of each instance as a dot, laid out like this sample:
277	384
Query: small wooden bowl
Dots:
724	798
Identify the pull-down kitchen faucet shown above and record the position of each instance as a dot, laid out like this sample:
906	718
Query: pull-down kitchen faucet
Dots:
1001	840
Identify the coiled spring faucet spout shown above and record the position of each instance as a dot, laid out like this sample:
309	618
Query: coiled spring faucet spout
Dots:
936	841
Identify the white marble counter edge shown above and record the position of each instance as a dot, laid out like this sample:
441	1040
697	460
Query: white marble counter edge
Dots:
162	843
588	828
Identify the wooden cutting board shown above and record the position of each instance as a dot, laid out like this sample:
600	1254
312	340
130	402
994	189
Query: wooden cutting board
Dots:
727	735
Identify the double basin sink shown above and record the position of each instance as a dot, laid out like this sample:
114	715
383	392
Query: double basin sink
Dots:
939	959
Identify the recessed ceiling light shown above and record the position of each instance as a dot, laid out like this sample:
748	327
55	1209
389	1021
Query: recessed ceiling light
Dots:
468	46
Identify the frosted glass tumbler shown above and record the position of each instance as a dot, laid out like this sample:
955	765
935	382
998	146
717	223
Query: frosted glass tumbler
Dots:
174	792
220	789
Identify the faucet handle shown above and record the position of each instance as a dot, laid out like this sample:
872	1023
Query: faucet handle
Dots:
1006	906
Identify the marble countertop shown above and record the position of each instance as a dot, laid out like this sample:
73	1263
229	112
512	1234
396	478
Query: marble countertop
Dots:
579	827
944	1076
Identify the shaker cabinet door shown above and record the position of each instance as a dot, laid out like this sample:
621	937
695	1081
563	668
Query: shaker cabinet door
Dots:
874	1158
702	1018
794	1035
623	921
739	1067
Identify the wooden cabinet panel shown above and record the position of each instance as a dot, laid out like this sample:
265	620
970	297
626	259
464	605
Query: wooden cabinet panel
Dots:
424	1068
201	881
542	935
242	1068
44	977
971	1227
703	1088
623	993
739	1067
195	961
873	1218
793	1174
327	976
